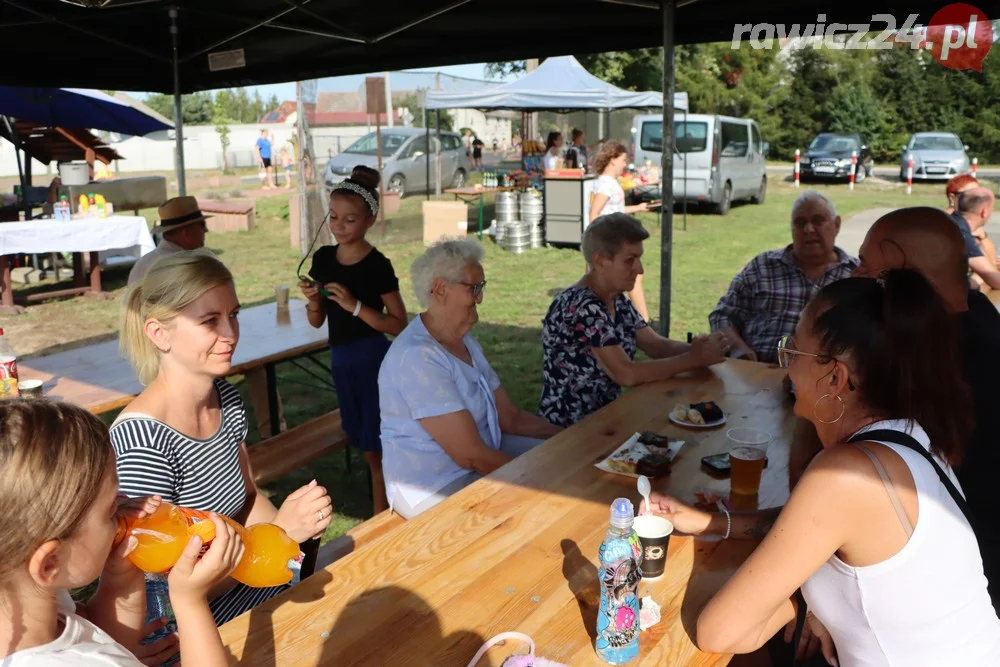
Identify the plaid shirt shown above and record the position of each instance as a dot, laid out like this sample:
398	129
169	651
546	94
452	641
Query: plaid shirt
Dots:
764	301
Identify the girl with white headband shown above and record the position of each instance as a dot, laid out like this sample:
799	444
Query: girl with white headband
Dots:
355	289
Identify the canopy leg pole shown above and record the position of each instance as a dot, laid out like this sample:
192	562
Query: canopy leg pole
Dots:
427	155
437	155
178	109
667	166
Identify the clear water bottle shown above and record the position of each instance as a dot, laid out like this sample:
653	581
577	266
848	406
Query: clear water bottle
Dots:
620	556
158	606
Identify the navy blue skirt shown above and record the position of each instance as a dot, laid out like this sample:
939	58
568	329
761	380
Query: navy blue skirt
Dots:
355	367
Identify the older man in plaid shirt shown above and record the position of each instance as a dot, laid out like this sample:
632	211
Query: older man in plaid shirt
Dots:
764	301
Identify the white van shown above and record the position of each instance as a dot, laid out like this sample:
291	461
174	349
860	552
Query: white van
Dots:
718	159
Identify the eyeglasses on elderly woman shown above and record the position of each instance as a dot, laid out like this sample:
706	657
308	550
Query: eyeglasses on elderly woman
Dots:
787	351
477	289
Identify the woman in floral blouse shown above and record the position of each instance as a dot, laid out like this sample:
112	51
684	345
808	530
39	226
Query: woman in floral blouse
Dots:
591	332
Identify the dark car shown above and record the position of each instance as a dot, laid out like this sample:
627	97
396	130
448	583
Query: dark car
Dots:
829	157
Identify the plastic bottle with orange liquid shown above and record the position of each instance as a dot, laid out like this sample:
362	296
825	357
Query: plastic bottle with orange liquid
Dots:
163	535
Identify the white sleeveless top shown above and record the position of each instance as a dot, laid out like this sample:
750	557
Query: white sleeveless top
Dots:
926	606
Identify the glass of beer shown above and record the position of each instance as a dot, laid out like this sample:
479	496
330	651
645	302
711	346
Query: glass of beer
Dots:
746	459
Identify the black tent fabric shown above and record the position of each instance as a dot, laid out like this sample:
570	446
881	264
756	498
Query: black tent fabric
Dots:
126	44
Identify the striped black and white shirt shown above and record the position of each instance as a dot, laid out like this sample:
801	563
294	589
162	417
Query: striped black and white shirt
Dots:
203	474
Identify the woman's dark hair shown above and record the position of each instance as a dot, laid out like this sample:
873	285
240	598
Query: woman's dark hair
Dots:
551	140
903	349
364	177
577	133
608	152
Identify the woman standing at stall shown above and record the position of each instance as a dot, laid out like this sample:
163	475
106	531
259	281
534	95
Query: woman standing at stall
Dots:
609	197
553	147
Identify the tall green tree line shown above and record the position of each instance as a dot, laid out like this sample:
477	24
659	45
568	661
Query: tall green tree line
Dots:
204	108
793	95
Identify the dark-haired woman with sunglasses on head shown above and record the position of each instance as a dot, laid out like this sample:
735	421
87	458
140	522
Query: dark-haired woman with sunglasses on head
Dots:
354	288
875	532
446	419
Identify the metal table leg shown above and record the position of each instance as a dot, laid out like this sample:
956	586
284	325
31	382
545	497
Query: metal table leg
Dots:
272	399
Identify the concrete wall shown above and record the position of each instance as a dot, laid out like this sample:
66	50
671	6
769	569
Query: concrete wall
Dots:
486	127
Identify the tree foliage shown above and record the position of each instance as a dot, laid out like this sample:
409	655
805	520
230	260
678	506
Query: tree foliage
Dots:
235	104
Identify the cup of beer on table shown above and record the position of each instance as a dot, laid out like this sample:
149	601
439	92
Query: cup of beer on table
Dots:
30	388
281	293
746	459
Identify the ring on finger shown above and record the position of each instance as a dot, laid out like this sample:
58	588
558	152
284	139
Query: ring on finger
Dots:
321	515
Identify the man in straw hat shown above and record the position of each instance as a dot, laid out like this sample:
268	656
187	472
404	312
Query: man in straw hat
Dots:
182	227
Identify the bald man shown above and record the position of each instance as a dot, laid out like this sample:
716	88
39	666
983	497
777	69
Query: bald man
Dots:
975	207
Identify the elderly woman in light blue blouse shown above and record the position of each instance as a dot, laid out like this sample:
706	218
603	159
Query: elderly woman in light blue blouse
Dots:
446	419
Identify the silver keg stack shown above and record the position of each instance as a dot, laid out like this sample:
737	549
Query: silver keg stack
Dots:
519	221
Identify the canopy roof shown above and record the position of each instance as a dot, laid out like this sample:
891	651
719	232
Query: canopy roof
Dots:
126	44
559	84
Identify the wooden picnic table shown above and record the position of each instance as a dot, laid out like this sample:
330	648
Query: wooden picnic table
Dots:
97	378
517	550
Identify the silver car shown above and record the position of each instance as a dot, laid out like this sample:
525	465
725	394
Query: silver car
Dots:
936	155
404	160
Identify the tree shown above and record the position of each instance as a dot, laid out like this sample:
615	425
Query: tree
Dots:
196	109
412	102
853	108
222	127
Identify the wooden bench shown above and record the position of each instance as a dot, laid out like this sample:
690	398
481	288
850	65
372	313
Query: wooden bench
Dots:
280	454
235	215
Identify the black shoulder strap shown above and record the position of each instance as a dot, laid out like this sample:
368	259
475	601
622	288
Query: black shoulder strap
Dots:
906	440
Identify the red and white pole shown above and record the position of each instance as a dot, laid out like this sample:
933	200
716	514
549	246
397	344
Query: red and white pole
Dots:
909	175
854	164
975	166
796	167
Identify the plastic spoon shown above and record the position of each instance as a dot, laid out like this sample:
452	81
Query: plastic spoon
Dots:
644	490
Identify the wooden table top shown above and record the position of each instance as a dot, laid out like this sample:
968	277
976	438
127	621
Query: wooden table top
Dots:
98	379
517	550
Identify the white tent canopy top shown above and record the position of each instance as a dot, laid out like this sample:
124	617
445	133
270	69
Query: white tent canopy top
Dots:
559	84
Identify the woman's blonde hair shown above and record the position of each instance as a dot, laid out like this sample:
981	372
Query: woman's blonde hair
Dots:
53	458
172	284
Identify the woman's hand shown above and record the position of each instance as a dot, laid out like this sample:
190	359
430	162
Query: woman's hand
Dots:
342	296
117	564
709	350
305	513
193	576
685	518
826	644
310	290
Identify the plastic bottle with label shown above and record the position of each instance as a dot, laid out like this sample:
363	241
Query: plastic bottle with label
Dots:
8	370
620	556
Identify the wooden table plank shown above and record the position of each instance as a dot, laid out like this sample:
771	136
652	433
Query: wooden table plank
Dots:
98	379
518	549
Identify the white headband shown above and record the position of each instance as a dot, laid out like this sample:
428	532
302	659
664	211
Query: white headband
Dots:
357	189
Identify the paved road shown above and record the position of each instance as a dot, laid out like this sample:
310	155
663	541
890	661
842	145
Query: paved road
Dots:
854	228
889	171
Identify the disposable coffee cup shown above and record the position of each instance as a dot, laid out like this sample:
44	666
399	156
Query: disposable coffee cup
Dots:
654	535
30	388
281	296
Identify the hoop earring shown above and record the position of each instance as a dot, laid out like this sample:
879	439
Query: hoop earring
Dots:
843	409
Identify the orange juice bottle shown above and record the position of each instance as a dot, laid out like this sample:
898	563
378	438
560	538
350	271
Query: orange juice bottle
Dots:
163	536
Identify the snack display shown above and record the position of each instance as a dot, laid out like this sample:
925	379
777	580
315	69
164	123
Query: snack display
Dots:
635	458
707	413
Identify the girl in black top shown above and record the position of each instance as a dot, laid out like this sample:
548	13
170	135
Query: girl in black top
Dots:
363	306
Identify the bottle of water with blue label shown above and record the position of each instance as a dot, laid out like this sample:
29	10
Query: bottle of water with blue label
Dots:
158	606
620	556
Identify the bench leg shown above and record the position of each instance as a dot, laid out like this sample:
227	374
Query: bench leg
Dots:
272	399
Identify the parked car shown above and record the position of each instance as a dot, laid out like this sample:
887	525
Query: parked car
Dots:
935	155
829	157
404	162
717	159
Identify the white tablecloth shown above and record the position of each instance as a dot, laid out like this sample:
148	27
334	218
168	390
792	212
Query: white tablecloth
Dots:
117	235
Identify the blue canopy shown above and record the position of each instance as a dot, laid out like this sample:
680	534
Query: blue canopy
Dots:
76	107
559	84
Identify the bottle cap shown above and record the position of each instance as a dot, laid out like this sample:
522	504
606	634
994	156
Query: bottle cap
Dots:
622	513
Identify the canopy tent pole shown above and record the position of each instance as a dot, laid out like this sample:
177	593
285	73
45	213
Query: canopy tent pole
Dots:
427	154
667	166
178	109
437	155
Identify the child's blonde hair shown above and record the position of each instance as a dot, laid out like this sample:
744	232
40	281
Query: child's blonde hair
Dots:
53	458
172	284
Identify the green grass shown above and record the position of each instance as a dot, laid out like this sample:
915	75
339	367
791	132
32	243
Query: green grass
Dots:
705	257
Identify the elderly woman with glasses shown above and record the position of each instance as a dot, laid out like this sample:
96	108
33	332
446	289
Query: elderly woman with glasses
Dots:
446	419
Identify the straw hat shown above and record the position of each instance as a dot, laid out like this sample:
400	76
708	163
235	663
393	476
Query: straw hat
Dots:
178	212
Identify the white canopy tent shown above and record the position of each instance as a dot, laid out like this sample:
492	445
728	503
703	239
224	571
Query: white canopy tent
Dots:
559	84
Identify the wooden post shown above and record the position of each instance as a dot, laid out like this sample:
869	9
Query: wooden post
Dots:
375	104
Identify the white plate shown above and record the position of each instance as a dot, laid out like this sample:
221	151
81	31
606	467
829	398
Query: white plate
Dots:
823	169
673	448
717	422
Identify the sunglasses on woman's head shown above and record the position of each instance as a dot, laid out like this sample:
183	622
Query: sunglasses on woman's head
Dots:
477	289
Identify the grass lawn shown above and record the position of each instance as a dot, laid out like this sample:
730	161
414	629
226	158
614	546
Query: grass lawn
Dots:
706	256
